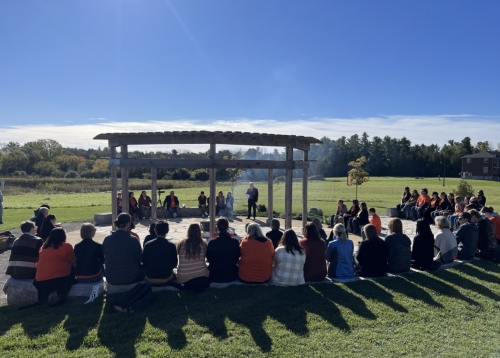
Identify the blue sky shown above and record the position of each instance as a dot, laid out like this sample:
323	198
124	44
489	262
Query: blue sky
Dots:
85	66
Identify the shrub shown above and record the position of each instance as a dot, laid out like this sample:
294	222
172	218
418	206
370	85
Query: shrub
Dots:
201	175
72	174
464	189
19	174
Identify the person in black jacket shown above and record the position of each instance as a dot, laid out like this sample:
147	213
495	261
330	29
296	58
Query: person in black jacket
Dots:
275	234
49	223
406	196
371	260
160	257
223	254
362	218
481	198
151	236
422	254
89	256
42	213
253	197
172	204
352	213
202	204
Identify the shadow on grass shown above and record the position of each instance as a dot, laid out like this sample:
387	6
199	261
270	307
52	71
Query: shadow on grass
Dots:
405	287
81	321
463	282
440	287
476	272
370	290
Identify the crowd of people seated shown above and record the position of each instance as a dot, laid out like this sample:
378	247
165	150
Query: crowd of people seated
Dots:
465	229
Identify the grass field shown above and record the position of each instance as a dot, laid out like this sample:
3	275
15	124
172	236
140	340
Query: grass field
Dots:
379	192
452	313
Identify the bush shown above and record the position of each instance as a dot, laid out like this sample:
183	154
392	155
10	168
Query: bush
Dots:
201	175
72	174
181	174
19	174
464	189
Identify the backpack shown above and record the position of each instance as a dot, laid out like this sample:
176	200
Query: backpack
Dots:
134	299
6	240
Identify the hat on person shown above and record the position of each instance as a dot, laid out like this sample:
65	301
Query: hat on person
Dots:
122	219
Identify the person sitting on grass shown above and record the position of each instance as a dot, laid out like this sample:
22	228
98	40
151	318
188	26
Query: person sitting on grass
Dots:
289	259
172	204
256	261
54	269
122	254
275	234
371	260
159	257
192	272
133	207
338	216
445	243
315	248
399	246
223	254
486	235
144	205
202	204
404	199
319	225
43	212
359	220
229	204
339	255
467	235
432	207
89	256
351	213
481	198
491	214
406	209
422	253
49	223
24	253
151	236
423	202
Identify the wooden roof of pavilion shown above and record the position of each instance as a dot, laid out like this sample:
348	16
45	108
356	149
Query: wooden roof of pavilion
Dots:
207	137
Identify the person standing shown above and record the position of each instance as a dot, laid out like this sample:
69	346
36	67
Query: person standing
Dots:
172	204
1	208
144	204
253	197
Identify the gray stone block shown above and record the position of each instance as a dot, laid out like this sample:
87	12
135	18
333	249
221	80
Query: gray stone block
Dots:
103	218
392	212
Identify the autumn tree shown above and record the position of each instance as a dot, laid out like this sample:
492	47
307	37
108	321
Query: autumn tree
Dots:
357	175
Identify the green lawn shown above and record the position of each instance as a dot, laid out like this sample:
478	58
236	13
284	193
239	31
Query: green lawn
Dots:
379	192
453	313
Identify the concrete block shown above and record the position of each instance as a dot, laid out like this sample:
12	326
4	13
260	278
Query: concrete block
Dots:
103	218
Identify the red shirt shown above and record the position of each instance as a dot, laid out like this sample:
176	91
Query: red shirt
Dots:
423	199
256	262
375	220
172	201
55	263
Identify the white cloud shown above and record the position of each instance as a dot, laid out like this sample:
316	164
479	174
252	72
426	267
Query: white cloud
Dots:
418	129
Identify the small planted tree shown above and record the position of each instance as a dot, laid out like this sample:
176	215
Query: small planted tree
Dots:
464	189
357	175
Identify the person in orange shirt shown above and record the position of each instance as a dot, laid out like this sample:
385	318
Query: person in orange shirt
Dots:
172	204
256	261
133	208
424	200
374	220
54	269
490	213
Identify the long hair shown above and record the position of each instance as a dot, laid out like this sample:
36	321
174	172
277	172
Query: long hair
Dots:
192	242
424	228
311	232
47	226
56	238
406	191
395	226
290	242
340	230
318	224
371	232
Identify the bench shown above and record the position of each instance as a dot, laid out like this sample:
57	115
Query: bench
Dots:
22	292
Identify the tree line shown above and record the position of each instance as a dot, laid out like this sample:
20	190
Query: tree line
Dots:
385	157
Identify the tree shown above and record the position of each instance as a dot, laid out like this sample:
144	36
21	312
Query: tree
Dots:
464	189
358	175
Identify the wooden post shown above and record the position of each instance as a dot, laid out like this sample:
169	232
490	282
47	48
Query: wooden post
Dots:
125	200
288	190
304	190
269	196
114	187
213	195
154	191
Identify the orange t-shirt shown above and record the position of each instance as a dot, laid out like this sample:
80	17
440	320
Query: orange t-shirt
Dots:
496	222
133	202
423	199
55	263
256	261
339	210
172	201
375	220
216	234
134	234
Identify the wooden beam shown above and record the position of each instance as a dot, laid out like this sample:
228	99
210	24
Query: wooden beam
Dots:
288	190
304	191
154	193
213	195
125	200
207	163
269	196
114	187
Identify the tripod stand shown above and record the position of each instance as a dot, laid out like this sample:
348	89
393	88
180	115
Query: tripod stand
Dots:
162	207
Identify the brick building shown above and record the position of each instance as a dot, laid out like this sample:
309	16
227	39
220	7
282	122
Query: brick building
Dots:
483	165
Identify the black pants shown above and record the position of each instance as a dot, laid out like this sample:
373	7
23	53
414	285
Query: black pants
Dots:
251	204
197	284
62	285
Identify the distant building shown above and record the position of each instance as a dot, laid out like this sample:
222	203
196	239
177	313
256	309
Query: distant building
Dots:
483	165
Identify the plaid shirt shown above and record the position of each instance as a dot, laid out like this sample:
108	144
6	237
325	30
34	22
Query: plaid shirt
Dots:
288	269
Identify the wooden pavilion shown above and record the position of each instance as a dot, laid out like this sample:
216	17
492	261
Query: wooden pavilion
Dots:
290	142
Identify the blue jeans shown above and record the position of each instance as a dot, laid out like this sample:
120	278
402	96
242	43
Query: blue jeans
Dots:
407	210
453	219
418	213
173	210
434	214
